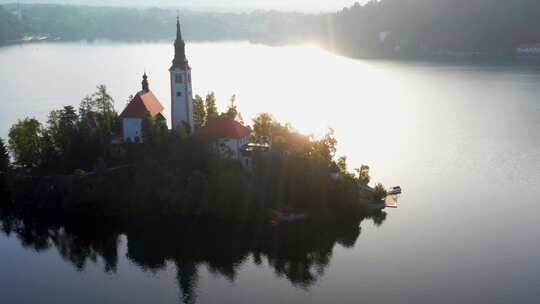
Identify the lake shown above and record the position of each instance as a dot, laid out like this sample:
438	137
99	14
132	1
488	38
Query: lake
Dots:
462	141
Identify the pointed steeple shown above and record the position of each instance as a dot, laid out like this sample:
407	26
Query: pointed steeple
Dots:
145	86
178	30
180	60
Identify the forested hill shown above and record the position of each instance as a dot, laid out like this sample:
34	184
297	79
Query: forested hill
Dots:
429	27
10	27
395	28
68	22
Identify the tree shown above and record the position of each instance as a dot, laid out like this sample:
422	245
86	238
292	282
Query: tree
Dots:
262	128
199	112
211	108
342	164
63	128
25	142
98	119
232	111
153	128
4	157
99	102
325	148
363	175
379	192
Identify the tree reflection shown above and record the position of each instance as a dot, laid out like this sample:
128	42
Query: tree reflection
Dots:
299	252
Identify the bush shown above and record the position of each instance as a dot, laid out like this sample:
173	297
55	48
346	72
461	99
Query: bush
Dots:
379	192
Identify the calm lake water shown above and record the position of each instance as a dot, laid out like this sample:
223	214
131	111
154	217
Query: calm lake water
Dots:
462	141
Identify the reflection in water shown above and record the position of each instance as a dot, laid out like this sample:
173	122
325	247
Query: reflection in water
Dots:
300	252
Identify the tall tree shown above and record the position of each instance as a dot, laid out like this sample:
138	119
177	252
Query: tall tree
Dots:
63	127
211	108
262	128
232	111
25	142
363	174
64	136
98	118
199	112
325	148
4	157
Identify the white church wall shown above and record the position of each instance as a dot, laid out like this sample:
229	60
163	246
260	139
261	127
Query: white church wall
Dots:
132	129
181	96
232	146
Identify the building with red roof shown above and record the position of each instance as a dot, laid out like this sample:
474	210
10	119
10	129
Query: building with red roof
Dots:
230	136
143	103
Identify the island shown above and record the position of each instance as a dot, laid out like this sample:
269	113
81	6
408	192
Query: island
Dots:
92	164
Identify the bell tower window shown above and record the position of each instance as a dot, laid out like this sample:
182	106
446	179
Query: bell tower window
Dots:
178	94
178	78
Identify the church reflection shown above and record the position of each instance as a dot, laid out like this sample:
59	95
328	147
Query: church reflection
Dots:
294	252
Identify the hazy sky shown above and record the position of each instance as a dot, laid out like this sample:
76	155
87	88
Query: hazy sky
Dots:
298	5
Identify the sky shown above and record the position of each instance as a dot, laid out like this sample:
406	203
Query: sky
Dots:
224	5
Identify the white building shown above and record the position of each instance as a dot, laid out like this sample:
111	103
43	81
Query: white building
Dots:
181	94
143	103
230	136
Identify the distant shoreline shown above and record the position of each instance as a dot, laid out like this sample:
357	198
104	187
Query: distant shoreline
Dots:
467	61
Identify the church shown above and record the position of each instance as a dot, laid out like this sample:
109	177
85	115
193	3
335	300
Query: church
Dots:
145	102
231	136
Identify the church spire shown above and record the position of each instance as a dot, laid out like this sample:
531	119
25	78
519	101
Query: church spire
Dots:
180	60
145	86
178	30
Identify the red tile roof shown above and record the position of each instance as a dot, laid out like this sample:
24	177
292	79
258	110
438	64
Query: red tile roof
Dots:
143	102
224	127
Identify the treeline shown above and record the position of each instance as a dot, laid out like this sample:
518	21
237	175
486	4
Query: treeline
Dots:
436	27
376	29
67	22
71	139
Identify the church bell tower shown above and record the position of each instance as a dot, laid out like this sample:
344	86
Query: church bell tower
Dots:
181	94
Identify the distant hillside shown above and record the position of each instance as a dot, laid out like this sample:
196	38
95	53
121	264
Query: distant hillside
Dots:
10	27
386	28
150	24
436	27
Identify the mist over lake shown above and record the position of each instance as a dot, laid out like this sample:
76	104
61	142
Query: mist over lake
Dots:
463	141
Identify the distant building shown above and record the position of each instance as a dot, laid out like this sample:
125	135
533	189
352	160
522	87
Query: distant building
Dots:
528	50
181	94
143	103
231	137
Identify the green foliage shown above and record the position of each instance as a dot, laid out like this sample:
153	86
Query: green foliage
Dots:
153	129
379	192
4	157
232	111
99	102
427	27
325	149
63	135
210	106
199	112
73	22
70	140
363	174
25	142
262	128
